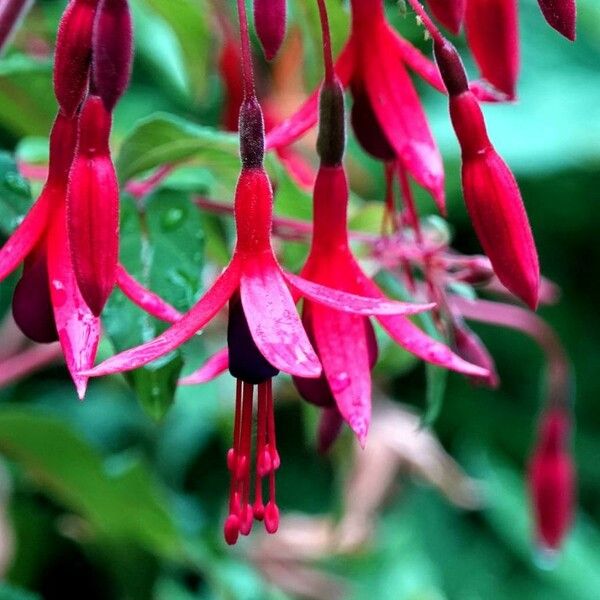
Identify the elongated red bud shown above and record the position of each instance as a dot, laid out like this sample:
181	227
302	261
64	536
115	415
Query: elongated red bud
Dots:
468	346
11	13
491	193
73	54
112	51
492	28
31	304
331	141
551	480
560	15
269	21
93	208
63	141
449	13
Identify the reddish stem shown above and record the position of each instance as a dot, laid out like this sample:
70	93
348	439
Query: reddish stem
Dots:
247	68
327	54
432	29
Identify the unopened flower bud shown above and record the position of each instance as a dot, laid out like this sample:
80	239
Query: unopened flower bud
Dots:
112	51
93	208
332	127
269	20
561	15
73	54
552	480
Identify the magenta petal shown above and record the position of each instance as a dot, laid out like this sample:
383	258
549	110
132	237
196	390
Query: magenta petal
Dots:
273	320
153	304
306	116
401	116
179	333
342	344
25	237
78	329
413	339
352	303
213	367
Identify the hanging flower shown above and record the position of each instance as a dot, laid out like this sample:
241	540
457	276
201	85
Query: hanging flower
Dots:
47	304
491	193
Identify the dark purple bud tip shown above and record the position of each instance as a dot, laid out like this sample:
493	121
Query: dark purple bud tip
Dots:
451	68
252	134
269	20
245	360
31	305
366	127
332	127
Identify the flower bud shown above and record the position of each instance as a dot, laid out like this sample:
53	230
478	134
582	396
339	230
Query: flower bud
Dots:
561	15
93	208
332	127
551	480
494	203
449	12
493	34
73	54
269	20
112	51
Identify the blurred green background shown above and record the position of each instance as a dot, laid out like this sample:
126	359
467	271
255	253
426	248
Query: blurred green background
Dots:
123	496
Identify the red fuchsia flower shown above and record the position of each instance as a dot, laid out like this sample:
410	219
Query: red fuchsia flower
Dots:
93	207
265	333
561	15
492	28
11	14
47	304
551	480
491	193
450	13
269	21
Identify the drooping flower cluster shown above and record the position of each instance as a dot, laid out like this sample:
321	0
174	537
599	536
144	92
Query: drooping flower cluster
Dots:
69	240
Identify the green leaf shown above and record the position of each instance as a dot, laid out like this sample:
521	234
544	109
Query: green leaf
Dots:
27	105
125	505
190	22
15	195
164	139
162	247
435	376
9	592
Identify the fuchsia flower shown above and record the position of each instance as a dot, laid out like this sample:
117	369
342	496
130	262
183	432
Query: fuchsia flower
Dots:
47	304
265	333
552	479
491	193
269	21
